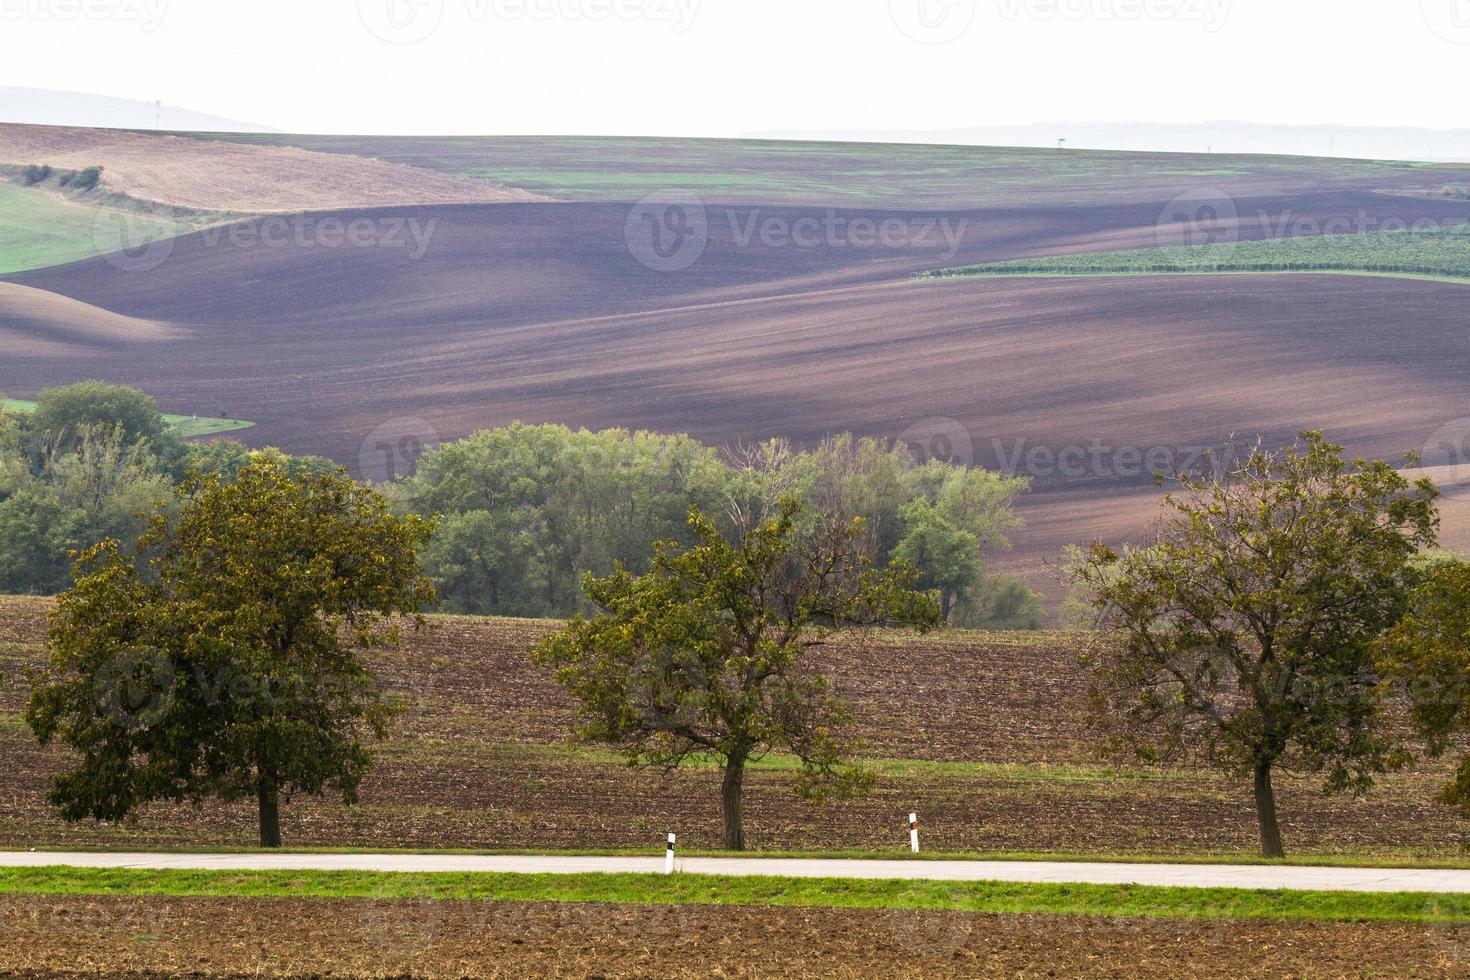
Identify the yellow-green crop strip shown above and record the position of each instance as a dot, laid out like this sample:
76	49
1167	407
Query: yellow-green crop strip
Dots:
1439	253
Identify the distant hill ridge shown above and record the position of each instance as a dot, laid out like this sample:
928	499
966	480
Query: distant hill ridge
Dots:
48	107
1225	136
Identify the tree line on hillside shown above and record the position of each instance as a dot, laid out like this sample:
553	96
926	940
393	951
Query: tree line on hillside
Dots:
1289	615
522	512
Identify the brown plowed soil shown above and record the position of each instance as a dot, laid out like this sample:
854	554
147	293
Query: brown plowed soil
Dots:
174	937
997	759
207	175
540	312
34	322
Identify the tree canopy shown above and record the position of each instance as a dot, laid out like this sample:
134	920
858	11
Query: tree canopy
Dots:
1425	661
1243	634
65	415
527	510
706	653
228	663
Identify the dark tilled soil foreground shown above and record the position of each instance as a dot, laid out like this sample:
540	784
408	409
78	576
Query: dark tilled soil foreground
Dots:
479	761
112	936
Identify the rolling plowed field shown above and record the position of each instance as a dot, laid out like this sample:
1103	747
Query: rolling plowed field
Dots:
446	318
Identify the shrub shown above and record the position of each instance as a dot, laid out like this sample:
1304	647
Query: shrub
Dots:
1457	192
87	179
36	173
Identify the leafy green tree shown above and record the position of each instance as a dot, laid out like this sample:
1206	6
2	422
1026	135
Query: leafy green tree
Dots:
232	668
953	515
98	488
36	530
63	415
1244	634
948	556
705	654
1425	659
218	457
1003	602
551	503
482	566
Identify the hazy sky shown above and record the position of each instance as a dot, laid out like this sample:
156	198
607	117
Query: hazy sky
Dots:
726	67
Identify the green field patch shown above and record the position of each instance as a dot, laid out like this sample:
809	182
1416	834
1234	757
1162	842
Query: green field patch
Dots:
1440	253
184	426
458	751
716	890
38	229
812	173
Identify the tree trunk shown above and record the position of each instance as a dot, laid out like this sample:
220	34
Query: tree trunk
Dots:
731	796
270	814
1266	813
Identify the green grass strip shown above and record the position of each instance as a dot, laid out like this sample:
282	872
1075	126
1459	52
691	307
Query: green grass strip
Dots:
1438	253
688	889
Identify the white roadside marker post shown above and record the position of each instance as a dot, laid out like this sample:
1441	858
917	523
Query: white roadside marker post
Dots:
669	855
914	832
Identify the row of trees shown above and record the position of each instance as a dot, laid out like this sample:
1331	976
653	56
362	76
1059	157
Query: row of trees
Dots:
522	512
221	655
1285	616
525	511
1288	615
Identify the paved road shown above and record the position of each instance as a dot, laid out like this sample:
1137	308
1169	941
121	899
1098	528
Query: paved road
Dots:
1189	875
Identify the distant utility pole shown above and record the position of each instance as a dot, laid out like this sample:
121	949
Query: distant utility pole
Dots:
1061	144
157	114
